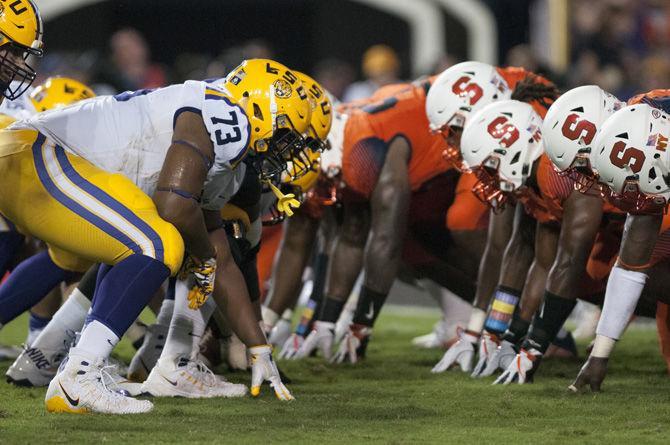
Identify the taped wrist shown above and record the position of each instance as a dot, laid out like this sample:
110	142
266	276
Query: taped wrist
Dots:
517	329
503	305
546	324
369	305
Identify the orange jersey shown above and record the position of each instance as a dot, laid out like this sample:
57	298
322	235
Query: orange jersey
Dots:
370	130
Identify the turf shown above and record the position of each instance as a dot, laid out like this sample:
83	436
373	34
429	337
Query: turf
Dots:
390	398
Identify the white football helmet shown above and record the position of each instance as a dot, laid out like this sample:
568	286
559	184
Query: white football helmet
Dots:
500	144
631	157
571	124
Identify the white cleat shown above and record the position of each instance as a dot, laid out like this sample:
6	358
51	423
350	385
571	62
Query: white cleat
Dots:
9	352
442	336
81	387
280	333
146	357
35	367
190	379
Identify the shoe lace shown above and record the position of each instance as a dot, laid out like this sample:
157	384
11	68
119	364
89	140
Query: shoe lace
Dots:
201	372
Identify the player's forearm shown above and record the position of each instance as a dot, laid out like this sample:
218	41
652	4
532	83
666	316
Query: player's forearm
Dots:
186	216
533	291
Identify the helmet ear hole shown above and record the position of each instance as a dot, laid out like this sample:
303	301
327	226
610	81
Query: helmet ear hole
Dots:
258	114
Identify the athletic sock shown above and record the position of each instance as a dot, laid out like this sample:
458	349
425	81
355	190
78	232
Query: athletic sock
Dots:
167	306
332	309
476	322
30	282
504	304
122	292
187	325
61	331
517	329
97	340
555	310
369	306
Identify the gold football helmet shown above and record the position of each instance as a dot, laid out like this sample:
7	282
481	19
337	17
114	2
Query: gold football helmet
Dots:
278	110
20	37
322	115
58	92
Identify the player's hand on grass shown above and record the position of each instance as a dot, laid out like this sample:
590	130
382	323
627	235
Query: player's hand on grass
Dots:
320	338
263	369
500	359
352	345
461	353
521	369
291	346
488	346
592	373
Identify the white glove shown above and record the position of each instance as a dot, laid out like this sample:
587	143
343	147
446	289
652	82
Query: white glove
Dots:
521	369
348	350
488	345
321	337
291	346
462	353
280	333
500	359
263	368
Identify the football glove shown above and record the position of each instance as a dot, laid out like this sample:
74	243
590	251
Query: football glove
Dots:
521	369
462	353
263	368
488	345
320	338
352	344
500	359
291	347
200	275
592	373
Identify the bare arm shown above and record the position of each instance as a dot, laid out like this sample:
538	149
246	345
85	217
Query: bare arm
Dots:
389	206
181	180
639	240
546	241
296	246
581	220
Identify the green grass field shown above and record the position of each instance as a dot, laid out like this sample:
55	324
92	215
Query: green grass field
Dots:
391	398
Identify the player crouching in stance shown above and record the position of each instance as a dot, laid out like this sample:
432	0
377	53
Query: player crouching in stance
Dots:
89	198
631	160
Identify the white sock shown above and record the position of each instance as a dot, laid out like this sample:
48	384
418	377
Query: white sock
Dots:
477	319
270	317
165	313
187	325
97	340
455	310
624	288
67	321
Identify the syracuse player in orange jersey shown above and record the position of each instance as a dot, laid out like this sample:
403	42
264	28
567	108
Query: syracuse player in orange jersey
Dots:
646	243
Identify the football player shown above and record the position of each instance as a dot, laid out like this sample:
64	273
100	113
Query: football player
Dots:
92	200
630	157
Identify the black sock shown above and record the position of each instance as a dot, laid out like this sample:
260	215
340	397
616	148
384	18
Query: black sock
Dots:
369	305
87	283
546	324
517	329
331	310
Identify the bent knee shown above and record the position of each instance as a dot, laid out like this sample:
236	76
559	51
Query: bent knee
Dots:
172	254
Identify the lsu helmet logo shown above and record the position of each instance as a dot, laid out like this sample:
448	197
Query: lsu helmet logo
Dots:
282	89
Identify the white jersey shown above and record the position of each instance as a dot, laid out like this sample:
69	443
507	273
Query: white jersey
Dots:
130	133
19	108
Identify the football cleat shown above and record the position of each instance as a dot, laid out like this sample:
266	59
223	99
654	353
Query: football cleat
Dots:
280	333
443	336
353	345
237	354
35	367
147	355
461	353
81	387
320	338
291	346
188	378
9	352
500	359
522	368
488	345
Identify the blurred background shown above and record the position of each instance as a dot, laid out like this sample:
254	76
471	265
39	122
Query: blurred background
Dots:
355	46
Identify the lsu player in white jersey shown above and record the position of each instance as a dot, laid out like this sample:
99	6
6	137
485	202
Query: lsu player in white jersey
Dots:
86	171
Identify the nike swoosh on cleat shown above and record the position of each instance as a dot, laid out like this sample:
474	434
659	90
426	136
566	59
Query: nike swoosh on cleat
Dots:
170	381
72	401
